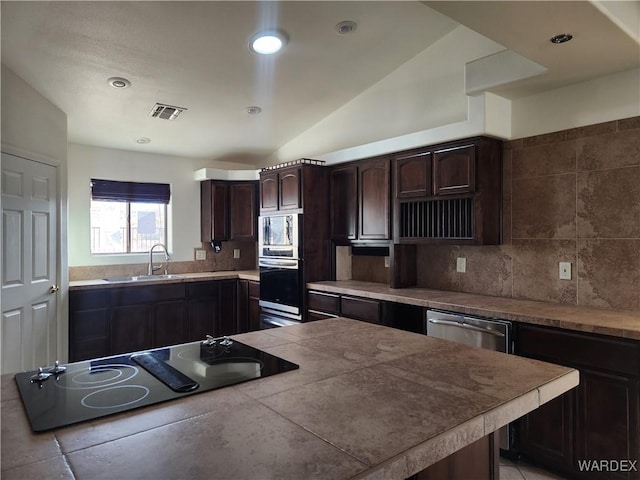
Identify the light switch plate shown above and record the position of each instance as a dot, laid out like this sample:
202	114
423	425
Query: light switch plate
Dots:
201	254
461	265
386	262
565	270
236	253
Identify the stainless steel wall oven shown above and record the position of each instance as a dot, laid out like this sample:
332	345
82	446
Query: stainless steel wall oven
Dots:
281	278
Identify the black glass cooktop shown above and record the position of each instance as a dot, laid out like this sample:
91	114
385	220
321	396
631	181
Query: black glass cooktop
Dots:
96	388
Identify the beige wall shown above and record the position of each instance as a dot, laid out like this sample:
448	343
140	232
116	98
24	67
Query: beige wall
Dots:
87	162
34	128
571	196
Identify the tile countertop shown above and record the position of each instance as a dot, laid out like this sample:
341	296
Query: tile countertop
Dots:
184	277
606	322
367	402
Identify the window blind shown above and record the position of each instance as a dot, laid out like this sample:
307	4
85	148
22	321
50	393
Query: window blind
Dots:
114	191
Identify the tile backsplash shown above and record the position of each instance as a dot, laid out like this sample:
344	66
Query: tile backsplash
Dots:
569	196
214	262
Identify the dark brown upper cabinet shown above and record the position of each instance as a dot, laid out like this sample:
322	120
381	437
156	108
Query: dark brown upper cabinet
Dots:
454	170
214	210
244	212
281	190
269	191
290	195
228	210
359	201
449	193
413	175
343	192
373	177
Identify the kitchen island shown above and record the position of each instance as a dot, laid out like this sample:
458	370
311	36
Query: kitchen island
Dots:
367	402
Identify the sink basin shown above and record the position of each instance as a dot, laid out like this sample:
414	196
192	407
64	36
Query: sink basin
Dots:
143	278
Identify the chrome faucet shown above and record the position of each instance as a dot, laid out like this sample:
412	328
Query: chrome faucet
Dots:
152	267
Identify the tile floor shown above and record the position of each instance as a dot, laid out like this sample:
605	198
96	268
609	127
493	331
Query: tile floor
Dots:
521	470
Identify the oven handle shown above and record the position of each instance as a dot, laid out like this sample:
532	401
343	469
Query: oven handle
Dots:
291	264
466	326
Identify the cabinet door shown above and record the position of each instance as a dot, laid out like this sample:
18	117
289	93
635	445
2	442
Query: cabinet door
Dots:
228	300
203	309
344	203
170	325
88	324
243	211
290	189
454	170
130	328
254	305
269	191
214	210
546	434
413	175
242	309
374	200
607	420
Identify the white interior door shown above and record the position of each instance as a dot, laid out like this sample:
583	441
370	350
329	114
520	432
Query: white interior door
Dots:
29	264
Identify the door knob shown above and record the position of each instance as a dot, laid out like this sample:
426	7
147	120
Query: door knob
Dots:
54	289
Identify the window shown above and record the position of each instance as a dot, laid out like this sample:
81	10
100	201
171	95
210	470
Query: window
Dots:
128	217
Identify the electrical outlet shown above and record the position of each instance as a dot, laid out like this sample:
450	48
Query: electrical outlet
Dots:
201	254
236	253
386	262
461	265
565	270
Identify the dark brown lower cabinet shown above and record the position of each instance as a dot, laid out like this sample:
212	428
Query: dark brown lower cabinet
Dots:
110	321
130	328
169	323
203	307
88	324
477	461
598	423
248	311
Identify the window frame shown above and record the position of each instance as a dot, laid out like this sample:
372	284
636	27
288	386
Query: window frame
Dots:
129	193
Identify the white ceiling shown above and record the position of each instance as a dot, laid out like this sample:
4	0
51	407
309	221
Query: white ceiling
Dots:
195	55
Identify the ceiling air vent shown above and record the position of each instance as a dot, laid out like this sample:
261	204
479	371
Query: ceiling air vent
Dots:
166	112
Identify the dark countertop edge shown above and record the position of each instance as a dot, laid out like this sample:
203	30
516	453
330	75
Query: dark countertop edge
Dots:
569	317
186	278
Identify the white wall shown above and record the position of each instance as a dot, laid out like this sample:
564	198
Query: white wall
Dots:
86	162
600	100
33	127
424	93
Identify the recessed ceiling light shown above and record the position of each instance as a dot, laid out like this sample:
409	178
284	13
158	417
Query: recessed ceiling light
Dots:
143	140
118	82
346	27
254	110
267	43
561	38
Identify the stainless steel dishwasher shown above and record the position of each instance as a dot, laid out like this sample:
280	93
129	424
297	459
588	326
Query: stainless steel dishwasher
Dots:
487	333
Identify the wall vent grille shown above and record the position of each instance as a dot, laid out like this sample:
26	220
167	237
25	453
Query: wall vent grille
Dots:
437	219
166	112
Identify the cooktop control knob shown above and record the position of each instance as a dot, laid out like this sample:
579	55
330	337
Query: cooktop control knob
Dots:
40	377
57	369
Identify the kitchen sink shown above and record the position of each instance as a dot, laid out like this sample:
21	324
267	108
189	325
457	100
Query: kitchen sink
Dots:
143	278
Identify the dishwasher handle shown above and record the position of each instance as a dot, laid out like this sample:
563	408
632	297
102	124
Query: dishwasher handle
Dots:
467	326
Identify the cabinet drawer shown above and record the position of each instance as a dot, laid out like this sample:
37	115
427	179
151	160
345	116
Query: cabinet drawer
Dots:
146	294
361	309
203	289
88	299
324	302
579	350
254	289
